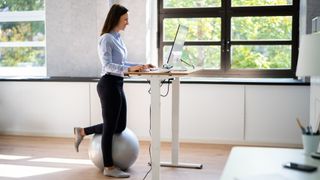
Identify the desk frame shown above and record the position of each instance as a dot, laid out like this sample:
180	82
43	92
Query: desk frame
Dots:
155	81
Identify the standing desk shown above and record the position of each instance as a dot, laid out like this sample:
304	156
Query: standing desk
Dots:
155	79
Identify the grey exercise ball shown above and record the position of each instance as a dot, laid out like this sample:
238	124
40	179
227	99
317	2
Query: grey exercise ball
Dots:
125	149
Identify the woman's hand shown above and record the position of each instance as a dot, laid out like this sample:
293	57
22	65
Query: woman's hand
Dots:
136	68
148	66
140	67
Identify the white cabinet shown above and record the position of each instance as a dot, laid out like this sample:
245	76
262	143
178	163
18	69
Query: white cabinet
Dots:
212	113
43	108
271	113
208	112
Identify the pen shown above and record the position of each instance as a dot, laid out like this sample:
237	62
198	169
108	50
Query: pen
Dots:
309	130
300	126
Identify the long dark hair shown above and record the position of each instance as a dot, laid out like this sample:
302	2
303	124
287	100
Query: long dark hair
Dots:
113	18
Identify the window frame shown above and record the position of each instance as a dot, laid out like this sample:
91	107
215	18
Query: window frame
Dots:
226	12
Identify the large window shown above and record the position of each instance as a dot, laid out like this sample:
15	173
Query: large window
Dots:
22	38
248	38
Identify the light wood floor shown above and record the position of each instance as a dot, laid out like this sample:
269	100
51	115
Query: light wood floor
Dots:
61	153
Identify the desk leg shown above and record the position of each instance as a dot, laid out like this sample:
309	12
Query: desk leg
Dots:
155	127
175	121
175	130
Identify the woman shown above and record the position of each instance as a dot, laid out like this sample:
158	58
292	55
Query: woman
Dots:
113	56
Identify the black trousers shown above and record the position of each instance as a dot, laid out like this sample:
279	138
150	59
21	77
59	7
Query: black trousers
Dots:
114	114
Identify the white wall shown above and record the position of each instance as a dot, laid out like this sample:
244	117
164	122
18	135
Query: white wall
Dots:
73	28
209	112
303	18
135	34
71	38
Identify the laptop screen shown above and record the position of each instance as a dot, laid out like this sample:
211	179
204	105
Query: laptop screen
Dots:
177	48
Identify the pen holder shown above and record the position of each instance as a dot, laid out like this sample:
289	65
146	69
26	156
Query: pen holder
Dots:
310	143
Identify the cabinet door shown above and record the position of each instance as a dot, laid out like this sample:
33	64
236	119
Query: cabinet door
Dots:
212	113
43	108
271	113
208	113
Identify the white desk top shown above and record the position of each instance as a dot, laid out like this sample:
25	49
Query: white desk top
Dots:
256	163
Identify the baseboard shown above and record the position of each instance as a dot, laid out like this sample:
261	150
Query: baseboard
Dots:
167	140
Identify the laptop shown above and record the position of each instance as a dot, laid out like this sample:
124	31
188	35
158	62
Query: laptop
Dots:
174	59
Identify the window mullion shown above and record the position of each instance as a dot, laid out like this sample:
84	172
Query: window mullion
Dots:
23	44
225	37
22	16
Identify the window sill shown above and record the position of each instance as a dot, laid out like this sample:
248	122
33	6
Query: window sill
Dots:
186	80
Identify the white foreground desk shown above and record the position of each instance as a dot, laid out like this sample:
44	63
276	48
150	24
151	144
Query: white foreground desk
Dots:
155	81
256	163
